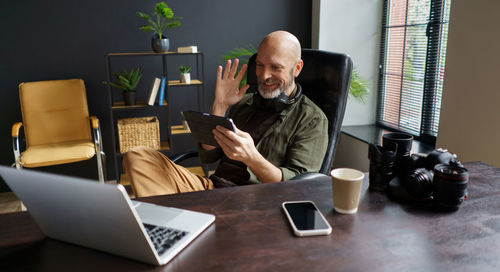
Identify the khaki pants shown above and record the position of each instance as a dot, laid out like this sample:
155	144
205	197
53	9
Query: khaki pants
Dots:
152	173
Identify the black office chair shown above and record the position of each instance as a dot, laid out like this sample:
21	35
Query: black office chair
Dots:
325	80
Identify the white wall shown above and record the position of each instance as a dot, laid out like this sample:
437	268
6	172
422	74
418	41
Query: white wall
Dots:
352	27
470	112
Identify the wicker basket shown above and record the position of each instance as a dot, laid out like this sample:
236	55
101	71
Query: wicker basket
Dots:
143	131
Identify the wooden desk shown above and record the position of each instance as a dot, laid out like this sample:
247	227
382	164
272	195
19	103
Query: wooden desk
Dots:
251	234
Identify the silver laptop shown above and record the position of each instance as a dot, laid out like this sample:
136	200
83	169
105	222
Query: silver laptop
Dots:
102	217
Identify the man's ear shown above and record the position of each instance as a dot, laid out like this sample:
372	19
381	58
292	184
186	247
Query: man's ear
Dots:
298	67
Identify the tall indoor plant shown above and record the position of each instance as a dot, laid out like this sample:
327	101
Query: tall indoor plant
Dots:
160	20
127	82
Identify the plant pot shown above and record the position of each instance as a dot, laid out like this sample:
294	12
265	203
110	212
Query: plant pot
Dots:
185	78
129	98
160	45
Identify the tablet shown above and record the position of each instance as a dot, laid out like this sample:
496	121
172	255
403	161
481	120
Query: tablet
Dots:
202	124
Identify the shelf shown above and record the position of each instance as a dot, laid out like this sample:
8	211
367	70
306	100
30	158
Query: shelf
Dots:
164	145
179	130
117	108
178	83
140	104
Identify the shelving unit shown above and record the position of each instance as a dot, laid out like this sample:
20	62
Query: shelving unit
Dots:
118	110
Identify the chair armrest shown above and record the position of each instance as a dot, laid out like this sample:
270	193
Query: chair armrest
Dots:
95	122
309	176
15	129
179	157
96	132
15	144
99	151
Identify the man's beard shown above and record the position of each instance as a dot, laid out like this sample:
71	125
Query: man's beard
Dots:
282	87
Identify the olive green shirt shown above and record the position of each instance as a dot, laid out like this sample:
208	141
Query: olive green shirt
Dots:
296	143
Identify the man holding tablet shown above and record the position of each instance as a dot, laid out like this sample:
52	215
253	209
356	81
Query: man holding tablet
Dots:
279	133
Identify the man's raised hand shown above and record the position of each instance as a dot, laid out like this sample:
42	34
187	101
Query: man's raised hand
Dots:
227	91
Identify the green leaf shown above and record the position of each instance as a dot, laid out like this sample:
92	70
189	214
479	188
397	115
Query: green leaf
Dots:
114	85
124	81
143	15
167	13
358	88
241	53
147	28
160	6
184	69
135	77
174	24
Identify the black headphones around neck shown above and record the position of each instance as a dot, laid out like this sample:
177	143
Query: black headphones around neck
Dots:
278	103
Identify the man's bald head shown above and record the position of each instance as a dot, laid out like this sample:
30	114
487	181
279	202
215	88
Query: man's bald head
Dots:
282	41
278	63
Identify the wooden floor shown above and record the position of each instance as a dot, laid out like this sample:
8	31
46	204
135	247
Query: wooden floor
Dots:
10	203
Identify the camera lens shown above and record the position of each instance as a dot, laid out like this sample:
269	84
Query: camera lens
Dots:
381	167
450	186
419	183
401	142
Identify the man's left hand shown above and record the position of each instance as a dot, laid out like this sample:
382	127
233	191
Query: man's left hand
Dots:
237	145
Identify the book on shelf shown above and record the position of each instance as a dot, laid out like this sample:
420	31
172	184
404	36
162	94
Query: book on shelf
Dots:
161	91
154	91
187	49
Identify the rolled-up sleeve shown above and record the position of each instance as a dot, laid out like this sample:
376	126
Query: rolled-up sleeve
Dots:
307	149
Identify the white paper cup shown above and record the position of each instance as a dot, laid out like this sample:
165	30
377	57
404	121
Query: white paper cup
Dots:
346	186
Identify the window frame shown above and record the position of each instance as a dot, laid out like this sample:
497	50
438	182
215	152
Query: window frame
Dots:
434	33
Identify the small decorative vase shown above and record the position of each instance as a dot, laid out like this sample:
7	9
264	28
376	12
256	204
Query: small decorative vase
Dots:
160	45
129	98
185	78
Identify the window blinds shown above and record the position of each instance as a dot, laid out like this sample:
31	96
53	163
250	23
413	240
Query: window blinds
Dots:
412	61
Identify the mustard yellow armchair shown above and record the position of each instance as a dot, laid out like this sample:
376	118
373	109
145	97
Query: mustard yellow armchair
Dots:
56	126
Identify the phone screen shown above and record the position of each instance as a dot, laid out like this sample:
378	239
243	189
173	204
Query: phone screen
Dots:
305	216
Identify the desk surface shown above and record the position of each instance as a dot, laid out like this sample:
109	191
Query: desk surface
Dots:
251	234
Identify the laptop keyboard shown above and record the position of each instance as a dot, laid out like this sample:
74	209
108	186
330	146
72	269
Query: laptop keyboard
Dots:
163	238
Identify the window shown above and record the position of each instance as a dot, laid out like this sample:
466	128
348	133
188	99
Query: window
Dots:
413	51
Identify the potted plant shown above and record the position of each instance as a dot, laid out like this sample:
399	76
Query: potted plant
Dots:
185	76
160	20
127	82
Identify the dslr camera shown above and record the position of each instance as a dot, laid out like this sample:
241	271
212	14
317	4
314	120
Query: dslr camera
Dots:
437	178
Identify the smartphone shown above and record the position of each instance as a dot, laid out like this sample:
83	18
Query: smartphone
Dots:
305	218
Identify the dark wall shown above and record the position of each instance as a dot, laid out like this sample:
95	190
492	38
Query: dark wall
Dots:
60	39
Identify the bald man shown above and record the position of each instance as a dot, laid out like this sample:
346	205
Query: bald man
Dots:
279	134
